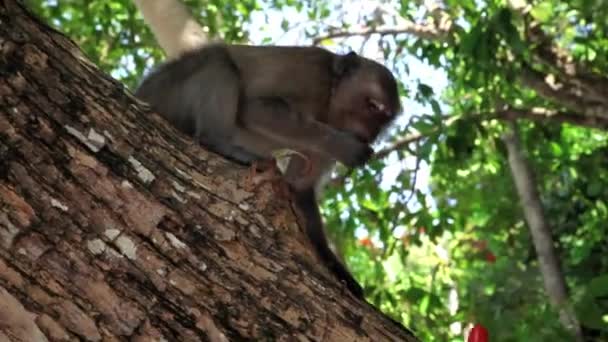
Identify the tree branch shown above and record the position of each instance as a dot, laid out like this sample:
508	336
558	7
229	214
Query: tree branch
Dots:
586	83
566	81
398	145
439	25
562	94
537	114
419	30
547	115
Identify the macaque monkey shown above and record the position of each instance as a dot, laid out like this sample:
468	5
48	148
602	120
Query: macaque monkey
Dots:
245	102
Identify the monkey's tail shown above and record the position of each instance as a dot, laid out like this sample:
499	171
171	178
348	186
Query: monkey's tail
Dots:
307	203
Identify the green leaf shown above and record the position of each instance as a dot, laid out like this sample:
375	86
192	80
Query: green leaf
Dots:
542	11
471	40
556	149
598	286
595	188
425	90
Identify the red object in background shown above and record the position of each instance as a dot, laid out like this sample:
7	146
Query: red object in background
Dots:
366	242
490	257
478	334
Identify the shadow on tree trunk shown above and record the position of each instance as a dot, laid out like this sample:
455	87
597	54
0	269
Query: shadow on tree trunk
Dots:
114	225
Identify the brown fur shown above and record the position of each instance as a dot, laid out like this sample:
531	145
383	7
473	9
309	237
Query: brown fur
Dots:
245	102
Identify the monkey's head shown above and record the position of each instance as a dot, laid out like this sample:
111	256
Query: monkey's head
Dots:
365	97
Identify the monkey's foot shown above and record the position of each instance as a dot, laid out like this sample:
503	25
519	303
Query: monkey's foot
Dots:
308	167
281	188
269	173
255	178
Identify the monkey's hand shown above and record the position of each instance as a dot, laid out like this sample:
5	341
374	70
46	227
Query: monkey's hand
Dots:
348	149
275	119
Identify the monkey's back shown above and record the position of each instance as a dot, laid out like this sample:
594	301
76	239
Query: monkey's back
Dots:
301	75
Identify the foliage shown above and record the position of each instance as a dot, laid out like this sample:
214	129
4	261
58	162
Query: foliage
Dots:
454	249
113	35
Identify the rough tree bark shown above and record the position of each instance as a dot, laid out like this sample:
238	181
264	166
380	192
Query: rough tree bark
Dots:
114	226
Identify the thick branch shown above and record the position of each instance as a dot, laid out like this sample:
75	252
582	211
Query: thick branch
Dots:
548	87
593	87
567	82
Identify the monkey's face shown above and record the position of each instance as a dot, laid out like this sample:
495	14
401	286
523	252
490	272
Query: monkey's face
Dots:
365	101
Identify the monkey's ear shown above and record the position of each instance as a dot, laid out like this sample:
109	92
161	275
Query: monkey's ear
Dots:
344	64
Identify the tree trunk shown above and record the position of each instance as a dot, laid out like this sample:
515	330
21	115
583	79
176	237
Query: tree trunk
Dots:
553	277
114	226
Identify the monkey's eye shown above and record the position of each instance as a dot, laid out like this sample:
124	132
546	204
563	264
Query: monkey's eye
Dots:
377	107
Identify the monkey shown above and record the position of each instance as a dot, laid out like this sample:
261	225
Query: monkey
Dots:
244	102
